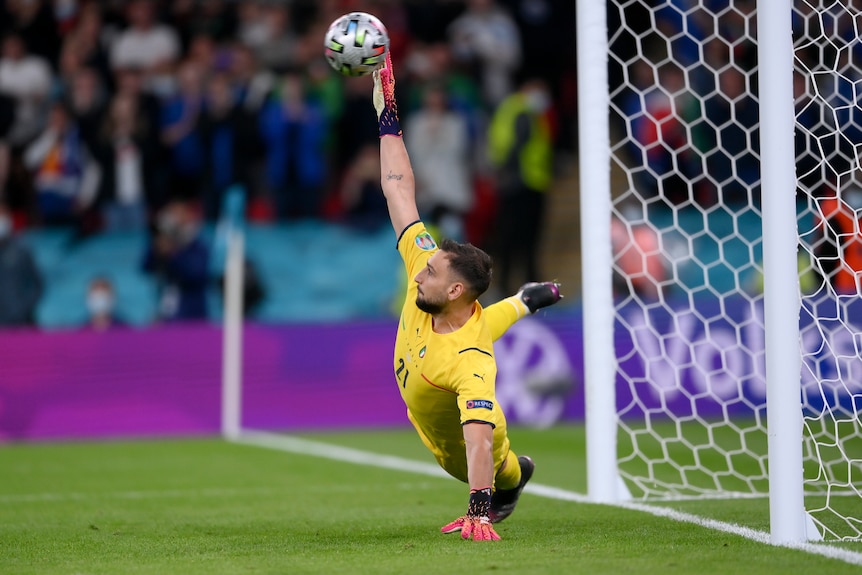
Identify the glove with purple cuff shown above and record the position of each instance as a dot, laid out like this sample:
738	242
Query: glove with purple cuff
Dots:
475	524
384	99
536	295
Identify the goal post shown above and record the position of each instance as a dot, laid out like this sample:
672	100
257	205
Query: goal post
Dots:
780	277
594	144
713	181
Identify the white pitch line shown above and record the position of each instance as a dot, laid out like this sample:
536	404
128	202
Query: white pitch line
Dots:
338	453
359	457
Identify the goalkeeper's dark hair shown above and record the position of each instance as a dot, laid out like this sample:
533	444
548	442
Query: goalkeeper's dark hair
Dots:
470	264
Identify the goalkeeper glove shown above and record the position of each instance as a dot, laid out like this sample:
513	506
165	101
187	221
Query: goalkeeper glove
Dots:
537	295
384	99
475	524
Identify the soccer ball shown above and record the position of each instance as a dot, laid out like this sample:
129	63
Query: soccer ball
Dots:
356	44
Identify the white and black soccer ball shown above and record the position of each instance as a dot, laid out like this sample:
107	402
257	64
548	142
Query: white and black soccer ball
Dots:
356	44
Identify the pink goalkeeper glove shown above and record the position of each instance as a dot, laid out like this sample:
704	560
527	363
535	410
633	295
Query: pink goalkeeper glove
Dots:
384	99
476	523
479	528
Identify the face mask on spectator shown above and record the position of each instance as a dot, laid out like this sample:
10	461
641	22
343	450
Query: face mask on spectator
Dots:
5	226
100	302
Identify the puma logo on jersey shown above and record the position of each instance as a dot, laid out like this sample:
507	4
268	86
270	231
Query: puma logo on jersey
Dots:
482	377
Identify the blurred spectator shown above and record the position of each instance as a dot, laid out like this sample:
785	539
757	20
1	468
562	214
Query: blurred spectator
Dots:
521	149
7	117
34	22
87	104
639	264
294	129
129	83
356	129
27	79
327	90
439	145
65	173
840	251
180	132
729	140
547	27
278	47
662	156
251	82
486	38
66	14
87	41
215	19
179	259
362	201
20	279
428	20
126	156
221	132
251	85
101	306
70	63
147	45
253	30
207	55
4	164
433	64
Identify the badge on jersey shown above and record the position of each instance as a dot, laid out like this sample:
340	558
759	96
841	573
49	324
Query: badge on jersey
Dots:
425	242
422	352
480	404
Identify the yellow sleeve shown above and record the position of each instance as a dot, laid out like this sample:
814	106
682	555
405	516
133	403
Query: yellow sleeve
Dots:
475	383
500	316
416	246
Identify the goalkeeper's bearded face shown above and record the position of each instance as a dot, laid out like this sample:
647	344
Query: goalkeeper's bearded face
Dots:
435	287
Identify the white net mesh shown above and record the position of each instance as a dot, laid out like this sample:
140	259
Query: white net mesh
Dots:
687	239
828	70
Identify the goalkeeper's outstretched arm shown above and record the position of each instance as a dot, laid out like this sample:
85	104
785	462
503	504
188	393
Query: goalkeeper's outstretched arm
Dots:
532	297
396	173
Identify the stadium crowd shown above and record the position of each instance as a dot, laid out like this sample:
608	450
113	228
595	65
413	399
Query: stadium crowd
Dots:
113	112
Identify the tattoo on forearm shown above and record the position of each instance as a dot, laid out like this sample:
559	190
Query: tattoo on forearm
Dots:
391	176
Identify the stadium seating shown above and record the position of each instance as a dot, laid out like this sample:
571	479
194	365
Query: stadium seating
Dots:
311	272
715	245
317	272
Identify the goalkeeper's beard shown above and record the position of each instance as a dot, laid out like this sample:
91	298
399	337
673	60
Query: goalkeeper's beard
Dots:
428	306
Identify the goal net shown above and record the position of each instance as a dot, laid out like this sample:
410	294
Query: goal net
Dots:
688	250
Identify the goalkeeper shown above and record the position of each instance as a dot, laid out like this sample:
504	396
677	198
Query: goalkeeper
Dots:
444	355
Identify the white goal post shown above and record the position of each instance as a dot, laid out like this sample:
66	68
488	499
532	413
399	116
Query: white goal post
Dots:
713	181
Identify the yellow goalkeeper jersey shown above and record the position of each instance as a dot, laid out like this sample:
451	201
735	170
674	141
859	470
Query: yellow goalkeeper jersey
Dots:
447	380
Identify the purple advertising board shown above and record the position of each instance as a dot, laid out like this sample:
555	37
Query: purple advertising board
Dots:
166	380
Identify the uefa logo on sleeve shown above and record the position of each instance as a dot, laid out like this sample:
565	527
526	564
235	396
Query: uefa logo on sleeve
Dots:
425	242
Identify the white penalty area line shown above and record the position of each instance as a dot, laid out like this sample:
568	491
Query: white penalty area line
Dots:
323	450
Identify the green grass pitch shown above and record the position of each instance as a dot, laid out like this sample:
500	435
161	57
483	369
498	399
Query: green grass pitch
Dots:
205	506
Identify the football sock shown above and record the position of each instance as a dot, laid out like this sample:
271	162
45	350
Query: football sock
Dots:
510	476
